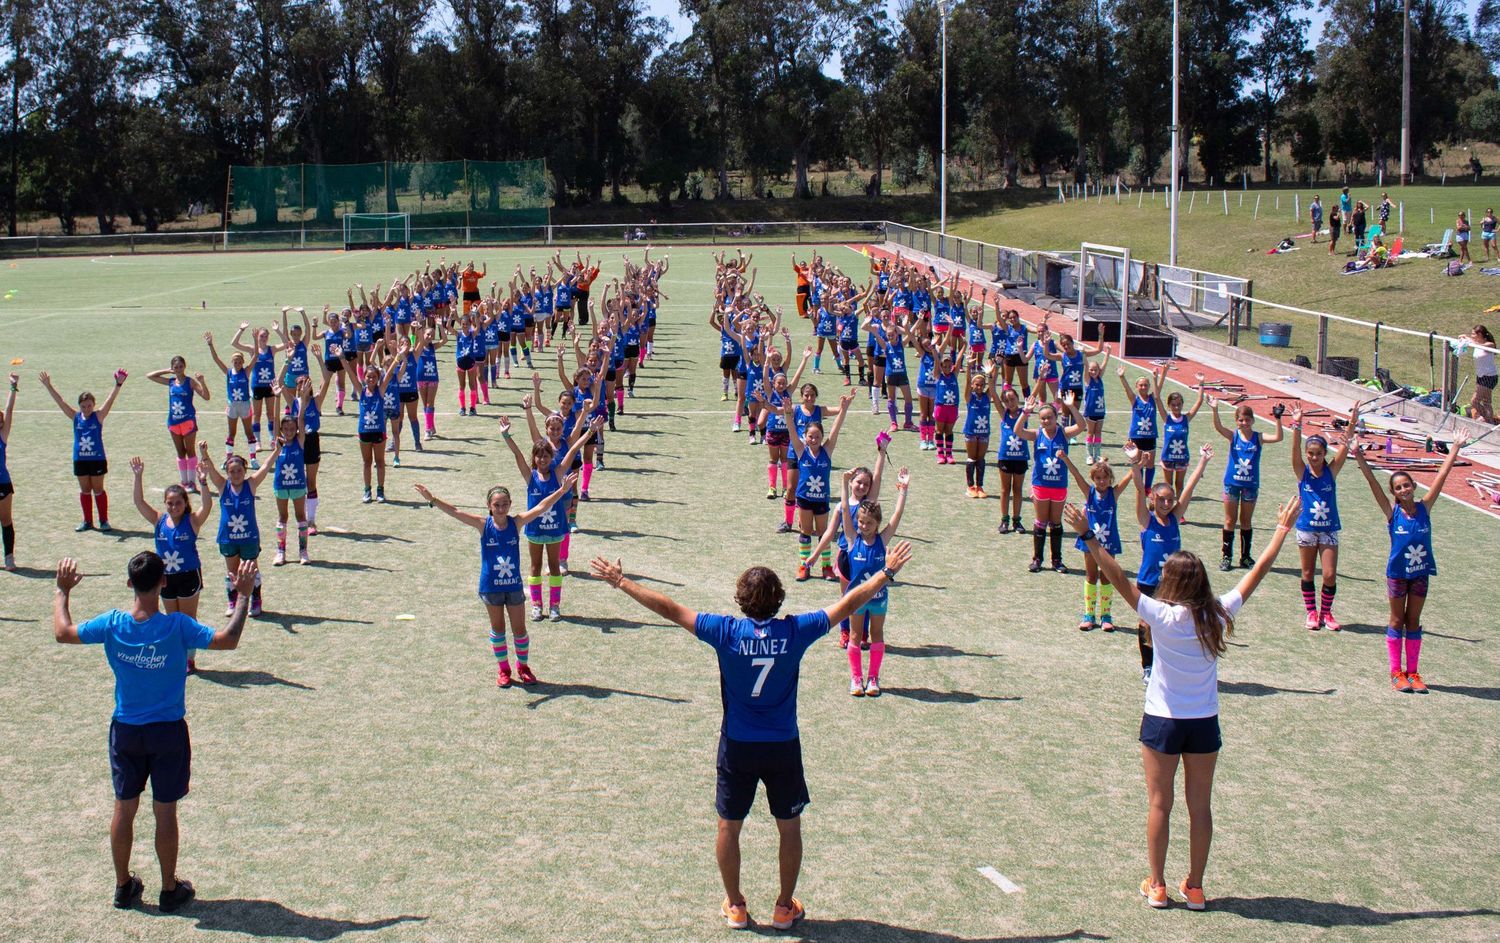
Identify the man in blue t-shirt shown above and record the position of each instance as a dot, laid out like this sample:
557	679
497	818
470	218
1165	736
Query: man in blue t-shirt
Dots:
760	654
147	650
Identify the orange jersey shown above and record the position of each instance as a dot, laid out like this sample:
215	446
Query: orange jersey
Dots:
801	271
586	277
471	281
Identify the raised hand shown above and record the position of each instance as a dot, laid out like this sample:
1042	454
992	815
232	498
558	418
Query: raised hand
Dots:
1120	372
67	574
422	490
137	467
1460	439
505	425
1200	378
903	479
1287	516
1205	452
1075	518
898	556
44	377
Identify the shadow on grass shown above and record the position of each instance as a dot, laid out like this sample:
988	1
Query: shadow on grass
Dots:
1483	694
608	626
635	502
935	650
616	534
347	565
361	537
270	919
1364	628
552	692
929	696
650	432
32	573
871	931
1256	689
247	679
1296	573
1318	913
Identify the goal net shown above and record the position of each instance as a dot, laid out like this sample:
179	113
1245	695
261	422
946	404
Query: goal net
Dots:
377	230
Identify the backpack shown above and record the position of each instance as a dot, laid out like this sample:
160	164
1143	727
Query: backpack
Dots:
1454	268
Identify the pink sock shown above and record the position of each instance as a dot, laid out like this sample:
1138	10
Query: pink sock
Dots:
789	508
554	596
771	473
786	475
620	397
341	399
588	475
460	397
536	594
562	553
1393	648
486	391
877	655
1413	650
856	668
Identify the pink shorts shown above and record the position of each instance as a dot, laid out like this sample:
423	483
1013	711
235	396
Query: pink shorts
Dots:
186	427
1045	493
941	328
945	414
901	312
976	349
427	384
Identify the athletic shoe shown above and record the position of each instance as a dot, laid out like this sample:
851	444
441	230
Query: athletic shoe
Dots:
172	901
312	529
562	566
419	446
874	410
255	609
555	614
1146	676
1087	623
584	496
1155	896
599	459
846	382
524	675
1312	622
255	464
909	426
1330	623
279	559
784	917
1225	564
104	527
1400	682
190	488
856	687
1035	566
379	495
802	575
1247	561
366	499
843	638
10	562
396	461
630	394
872	687
1417	687
725	397
127	895
829	575
83	527
736	916
1004	525
229	609
980	492
735	427
1193	895
1106	624
502	676
302	558
536	612
1059	567
970	492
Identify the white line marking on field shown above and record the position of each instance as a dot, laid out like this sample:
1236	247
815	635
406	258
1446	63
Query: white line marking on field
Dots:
999	880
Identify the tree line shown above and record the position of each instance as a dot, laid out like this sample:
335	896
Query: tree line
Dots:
133	109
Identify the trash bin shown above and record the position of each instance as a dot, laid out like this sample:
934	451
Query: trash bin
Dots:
1273	334
1345	368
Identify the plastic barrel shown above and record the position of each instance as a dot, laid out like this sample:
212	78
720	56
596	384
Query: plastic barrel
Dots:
1273	334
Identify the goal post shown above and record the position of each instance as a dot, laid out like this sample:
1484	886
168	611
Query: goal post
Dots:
377	230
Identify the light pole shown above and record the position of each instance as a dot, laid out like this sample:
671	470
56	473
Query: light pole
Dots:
1176	135
1405	92
943	133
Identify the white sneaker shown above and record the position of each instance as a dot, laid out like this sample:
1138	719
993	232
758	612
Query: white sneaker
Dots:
229	610
302	558
555	614
279	559
10	561
856	688
735	427
536	613
872	687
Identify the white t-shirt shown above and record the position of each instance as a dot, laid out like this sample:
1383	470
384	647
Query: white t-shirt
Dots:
1484	362
1184	677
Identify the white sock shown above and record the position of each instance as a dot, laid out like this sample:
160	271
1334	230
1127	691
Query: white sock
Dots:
312	510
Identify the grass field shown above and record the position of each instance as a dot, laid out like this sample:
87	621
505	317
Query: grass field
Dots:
360	776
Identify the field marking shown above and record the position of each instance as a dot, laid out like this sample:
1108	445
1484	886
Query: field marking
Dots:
999	880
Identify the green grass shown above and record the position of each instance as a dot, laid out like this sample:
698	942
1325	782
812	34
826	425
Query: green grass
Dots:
354	769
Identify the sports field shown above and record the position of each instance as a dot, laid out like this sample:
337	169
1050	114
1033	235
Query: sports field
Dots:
359	776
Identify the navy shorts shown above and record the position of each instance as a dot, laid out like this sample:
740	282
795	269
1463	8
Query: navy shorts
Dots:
1173	736
744	764
160	752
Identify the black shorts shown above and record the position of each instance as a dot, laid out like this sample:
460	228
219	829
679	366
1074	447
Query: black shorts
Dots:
1145	445
897	379
261	392
1077	392
6	490
351	356
407	396
1013	466
878	360
333	366
471	296
850	346
1486	382
609	375
632	351
1014	360
90	468
1181	735
312	448
160	752
841	564
743	765
819	508
504	338
729	361
464	364
373	438
184	585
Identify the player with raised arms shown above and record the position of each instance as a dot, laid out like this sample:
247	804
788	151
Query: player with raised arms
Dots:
89	462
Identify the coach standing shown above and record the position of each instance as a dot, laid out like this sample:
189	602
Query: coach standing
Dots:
759	660
148	735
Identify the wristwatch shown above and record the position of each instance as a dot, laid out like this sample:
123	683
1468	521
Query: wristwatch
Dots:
890	575
1088	535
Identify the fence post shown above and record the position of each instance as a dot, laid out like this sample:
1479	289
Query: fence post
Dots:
1448	374
1321	358
799	232
132	243
1376	371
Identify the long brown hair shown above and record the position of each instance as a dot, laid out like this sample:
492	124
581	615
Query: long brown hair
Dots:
1184	582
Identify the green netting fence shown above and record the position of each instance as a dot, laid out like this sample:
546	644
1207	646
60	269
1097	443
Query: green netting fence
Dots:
453	194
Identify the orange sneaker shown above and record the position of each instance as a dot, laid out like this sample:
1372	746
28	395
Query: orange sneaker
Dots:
1155	896
971	491
736	916
979	492
1400	683
802	574
1417	687
1193	896
784	917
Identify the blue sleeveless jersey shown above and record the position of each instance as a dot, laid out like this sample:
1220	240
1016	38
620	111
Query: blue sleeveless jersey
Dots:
1012	447
180	401
1143	418
265	369
1243	468
500	557
1103	514
237	386
237	522
866	560
88	438
371	412
177	544
945	389
1320	501
1158	541
1411	544
552	525
1174	443
1093	398
1049	470
291	467
813	474
977	417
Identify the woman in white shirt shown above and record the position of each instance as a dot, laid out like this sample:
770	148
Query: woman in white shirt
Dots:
1181	720
1480	406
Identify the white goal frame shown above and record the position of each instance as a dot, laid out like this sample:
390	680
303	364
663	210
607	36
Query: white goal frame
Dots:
1122	253
396	230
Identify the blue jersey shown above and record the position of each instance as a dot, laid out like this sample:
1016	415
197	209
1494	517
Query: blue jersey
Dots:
544	302
406	375
1103	520
180	401
997	340
775	419
1015	340
291	466
427	365
945	389
728	346
463	349
237	522
925	368
942	313
758	671
1049	470
491	334
1411	544
333	345
975	332
1041	367
977	417
813	474
564	295
552	525
1143	418
265	369
1243	468
371	412
177	544
802	418
237	386
88	438
364	337
1093	398
296	363
921	300
895	357
1071	375
1174	442
1012	447
865	560
403	311
4	471
1158	541
313	421
500	557
901	300
149	660
826	326
848	330
1320	501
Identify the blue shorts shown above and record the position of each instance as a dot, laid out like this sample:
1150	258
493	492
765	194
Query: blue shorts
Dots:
244	549
928	390
873	608
160	752
744	764
1173	736
1241	493
510	597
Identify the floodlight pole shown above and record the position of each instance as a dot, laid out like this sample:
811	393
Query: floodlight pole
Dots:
943	172
1405	92
1176	134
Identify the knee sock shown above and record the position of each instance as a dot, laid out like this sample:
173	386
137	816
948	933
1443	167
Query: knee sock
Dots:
871	390
497	645
771	474
339	403
588	476
8	535
1106	595
890	408
1226	543
534	584
1150	476
281	536
101	501
620	397
302	536
1326	607
1413	648
312	507
817	363
474	395
908	412
1025	390
856	662
826	558
1090	598
786	474
630	382
969	471
554	589
1038	539
1245	541
229	588
1054	536
182	477
804	549
562	553
254	445
1308	599
523	648
726	386
416	435
429	413
789	507
1143	642
1393	647
877	655
979	467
